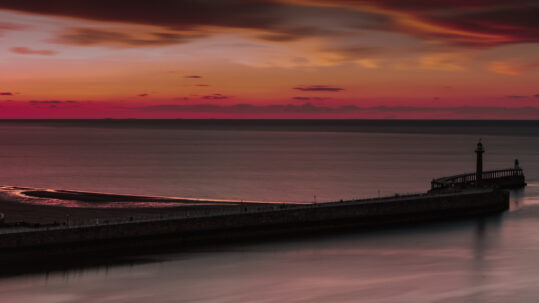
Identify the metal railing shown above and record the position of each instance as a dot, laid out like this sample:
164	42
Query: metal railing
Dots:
471	178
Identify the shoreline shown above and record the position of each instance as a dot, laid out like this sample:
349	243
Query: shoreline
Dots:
47	206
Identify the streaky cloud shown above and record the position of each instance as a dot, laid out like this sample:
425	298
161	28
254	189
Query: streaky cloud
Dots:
82	36
27	51
311	98
54	104
35	102
215	97
517	97
319	88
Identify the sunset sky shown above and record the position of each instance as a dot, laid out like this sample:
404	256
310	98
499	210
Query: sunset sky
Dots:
445	59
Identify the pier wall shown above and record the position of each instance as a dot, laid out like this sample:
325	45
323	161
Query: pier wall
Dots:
298	219
507	182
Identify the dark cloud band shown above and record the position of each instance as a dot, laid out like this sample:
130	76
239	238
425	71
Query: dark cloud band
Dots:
318	88
470	22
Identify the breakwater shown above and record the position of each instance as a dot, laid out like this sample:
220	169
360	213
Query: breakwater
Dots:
501	178
260	222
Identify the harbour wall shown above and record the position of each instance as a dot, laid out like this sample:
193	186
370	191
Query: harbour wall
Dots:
506	182
256	224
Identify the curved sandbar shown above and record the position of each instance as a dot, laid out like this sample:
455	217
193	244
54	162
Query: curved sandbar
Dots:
31	206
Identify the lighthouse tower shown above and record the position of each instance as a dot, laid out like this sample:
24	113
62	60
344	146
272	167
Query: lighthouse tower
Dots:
479	165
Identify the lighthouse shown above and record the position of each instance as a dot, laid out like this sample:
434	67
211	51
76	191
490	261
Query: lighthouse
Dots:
479	165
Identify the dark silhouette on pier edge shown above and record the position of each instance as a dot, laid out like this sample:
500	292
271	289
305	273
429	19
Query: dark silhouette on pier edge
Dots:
479	162
501	178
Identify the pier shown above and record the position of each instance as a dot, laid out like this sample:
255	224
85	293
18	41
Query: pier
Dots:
500	178
262	221
45	248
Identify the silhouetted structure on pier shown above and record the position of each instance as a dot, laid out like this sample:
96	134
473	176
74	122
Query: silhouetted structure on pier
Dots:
501	178
479	162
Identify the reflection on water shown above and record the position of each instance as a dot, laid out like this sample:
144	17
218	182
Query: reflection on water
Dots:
517	198
491	259
478	260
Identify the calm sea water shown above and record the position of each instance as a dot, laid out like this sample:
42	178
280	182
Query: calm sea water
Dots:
482	260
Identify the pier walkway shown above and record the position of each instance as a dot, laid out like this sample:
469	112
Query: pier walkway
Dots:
207	213
506	178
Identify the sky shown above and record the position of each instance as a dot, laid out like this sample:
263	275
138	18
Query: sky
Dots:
383	59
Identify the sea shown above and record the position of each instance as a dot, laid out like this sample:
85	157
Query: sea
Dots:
491	259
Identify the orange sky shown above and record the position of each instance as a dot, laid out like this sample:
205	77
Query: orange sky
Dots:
270	59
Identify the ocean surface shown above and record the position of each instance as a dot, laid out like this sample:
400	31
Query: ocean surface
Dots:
493	259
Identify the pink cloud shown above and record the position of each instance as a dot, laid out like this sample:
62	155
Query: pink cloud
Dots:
4	26
511	68
215	97
27	51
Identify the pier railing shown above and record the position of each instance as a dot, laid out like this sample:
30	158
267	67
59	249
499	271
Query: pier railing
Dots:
471	178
